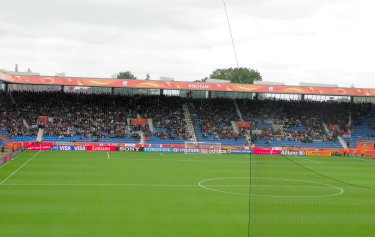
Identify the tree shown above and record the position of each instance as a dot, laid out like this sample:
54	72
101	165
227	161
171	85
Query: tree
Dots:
202	80
236	75
126	75
148	77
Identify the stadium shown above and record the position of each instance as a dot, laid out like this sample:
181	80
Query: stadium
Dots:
111	157
215	118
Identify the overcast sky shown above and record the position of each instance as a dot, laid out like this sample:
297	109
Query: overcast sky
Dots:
289	41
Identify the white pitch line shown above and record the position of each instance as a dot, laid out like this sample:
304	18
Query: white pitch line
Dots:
179	185
2	182
124	185
108	155
341	190
267	186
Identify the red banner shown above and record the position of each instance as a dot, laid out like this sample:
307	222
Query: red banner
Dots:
101	148
43	120
39	147
267	152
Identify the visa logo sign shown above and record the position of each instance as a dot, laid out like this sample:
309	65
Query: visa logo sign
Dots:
80	148
65	148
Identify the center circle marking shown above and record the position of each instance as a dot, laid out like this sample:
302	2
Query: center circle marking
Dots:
205	185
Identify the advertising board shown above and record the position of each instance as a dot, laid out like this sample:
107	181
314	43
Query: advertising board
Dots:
39	147
240	151
187	150
130	149
267	152
319	153
157	149
100	148
293	153
69	148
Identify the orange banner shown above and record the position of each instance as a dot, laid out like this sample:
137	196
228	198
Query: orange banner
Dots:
244	124
366	145
139	122
148	84
318	153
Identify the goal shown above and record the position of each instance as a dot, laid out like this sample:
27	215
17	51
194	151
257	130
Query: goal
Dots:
203	147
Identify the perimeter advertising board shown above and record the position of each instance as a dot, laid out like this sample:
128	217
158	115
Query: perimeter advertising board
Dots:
240	151
267	152
319	153
293	153
130	149
100	148
69	148
39	147
157	149
187	150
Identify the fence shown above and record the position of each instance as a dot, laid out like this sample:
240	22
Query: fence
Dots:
10	155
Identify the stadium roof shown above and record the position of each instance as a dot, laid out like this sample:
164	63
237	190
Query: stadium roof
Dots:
174	85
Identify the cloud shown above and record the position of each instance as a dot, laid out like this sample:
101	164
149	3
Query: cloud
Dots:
286	40
126	14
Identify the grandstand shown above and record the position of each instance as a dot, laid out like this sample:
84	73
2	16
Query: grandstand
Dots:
114	119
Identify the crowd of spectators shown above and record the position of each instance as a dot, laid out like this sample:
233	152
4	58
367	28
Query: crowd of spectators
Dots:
287	120
302	120
90	116
216	116
167	115
97	116
11	118
74	115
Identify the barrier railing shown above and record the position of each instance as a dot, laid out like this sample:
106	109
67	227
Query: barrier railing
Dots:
8	156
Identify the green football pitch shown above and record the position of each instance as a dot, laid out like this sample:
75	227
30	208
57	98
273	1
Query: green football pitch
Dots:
57	193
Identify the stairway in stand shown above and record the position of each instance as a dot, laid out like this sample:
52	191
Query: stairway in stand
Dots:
247	135
40	136
189	123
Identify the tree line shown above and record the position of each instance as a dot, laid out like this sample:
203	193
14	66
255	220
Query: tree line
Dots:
232	75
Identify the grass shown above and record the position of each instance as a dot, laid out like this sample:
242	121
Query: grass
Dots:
58	193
